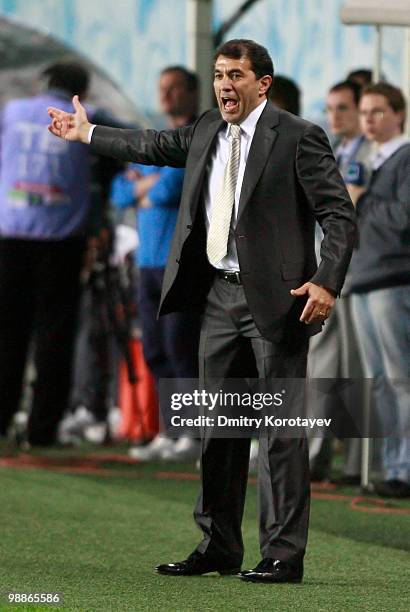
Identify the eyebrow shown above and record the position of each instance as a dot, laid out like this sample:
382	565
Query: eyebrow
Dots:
216	70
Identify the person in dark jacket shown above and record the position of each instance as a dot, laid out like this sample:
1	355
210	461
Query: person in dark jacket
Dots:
380	277
243	253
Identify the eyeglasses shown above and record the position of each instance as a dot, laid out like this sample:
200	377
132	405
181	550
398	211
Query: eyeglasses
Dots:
375	113
342	108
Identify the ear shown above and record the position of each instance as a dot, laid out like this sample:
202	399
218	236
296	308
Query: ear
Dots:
264	84
402	116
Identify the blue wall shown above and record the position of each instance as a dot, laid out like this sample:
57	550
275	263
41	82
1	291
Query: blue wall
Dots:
133	39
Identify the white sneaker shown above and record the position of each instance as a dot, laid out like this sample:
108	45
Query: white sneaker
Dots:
96	433
75	422
184	449
153	450
71	428
253	456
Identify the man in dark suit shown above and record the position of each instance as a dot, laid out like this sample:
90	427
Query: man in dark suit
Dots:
243	253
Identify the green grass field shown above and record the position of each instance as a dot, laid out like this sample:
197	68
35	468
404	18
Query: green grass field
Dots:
95	538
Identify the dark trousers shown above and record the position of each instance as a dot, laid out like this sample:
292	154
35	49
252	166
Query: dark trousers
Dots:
93	364
170	343
39	291
228	333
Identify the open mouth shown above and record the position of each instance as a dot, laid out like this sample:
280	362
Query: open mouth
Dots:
230	105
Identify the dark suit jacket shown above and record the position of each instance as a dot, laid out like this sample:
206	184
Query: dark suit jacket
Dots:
291	179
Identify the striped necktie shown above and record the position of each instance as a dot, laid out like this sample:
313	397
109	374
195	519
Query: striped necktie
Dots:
218	233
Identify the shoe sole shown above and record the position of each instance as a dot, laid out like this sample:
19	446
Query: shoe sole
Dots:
246	578
229	572
221	572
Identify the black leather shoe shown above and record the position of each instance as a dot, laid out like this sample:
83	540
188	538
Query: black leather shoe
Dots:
273	570
392	488
196	565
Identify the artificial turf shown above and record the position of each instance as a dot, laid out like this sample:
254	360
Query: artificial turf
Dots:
96	539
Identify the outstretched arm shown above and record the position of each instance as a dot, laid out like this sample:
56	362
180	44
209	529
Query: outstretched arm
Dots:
70	126
165	148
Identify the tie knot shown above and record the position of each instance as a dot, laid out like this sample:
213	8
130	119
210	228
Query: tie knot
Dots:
235	131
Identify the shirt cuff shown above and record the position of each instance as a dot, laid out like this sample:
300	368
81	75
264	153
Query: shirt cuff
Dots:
90	133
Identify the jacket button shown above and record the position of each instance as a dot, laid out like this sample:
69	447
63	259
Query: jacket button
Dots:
177	260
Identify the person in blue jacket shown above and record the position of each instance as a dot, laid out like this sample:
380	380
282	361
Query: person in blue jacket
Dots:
170	343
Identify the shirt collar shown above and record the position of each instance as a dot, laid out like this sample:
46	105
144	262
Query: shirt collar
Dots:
345	149
249	124
387	149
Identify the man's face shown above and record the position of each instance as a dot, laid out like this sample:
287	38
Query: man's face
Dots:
174	97
378	120
342	113
237	89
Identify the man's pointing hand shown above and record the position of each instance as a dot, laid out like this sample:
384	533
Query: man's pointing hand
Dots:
70	126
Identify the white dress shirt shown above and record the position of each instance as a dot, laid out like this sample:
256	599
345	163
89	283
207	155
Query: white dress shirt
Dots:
215	172
387	149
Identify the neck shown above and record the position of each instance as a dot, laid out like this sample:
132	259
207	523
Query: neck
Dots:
384	140
349	137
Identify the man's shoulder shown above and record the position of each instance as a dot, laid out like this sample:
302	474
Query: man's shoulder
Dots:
288	118
294	124
207	117
400	158
403	153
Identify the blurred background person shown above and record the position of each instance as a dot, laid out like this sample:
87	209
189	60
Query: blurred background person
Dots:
44	208
380	277
46	211
361	76
353	149
170	343
334	353
285	94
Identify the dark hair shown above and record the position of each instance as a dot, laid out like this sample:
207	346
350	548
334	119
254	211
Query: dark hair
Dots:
362	76
261	61
352	86
393	95
69	76
286	94
191	78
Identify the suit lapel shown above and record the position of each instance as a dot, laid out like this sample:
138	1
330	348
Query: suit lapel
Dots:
199	172
262	143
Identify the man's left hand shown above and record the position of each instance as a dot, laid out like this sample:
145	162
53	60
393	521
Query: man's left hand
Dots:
319	304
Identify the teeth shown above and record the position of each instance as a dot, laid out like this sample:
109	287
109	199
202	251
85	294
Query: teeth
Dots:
230	103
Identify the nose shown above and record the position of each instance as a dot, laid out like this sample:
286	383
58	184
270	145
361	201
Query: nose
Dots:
226	83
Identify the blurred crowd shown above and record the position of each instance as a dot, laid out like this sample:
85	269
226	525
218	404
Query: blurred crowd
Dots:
83	247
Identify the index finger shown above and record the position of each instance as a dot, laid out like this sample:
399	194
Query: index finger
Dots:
55	113
307	312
